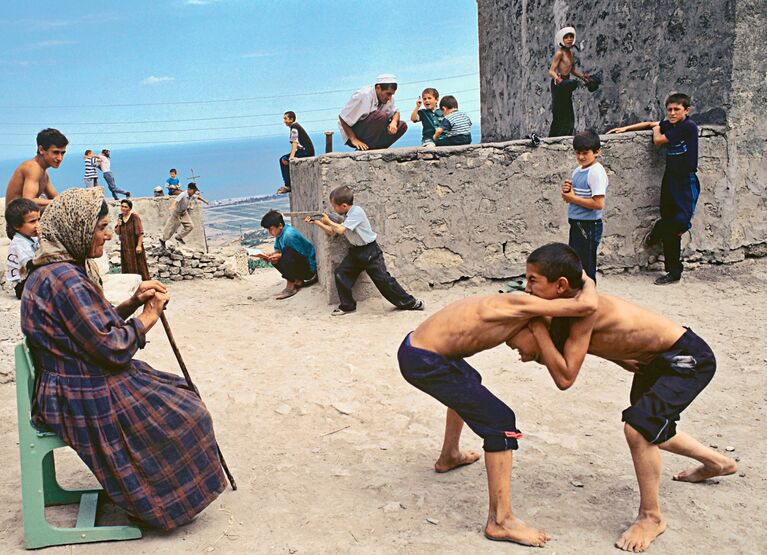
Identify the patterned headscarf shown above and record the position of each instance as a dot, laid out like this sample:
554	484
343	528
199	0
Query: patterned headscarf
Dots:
66	230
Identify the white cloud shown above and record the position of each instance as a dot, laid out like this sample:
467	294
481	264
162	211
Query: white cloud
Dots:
153	79
50	44
199	2
258	54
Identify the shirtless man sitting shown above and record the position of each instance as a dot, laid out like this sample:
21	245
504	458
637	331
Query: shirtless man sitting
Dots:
31	180
672	366
432	359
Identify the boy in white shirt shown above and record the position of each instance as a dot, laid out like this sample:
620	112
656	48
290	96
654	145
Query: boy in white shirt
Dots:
585	194
22	218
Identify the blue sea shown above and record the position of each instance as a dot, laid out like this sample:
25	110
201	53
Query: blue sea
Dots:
226	169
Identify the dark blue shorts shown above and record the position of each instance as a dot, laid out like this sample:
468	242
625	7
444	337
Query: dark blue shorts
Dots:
455	384
666	386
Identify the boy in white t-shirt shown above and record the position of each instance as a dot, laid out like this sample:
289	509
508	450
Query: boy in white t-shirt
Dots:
585	194
22	218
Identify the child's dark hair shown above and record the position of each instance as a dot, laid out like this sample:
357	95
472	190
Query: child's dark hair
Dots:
342	195
87	152
679	98
103	211
128	202
387	86
49	137
291	114
173	170
272	219
15	213
192	185
557	260
448	102
432	92
586	140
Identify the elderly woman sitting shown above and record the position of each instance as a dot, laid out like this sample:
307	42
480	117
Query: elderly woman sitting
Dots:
146	437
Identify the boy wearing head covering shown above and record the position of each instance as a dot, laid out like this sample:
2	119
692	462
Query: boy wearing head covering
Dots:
562	86
370	119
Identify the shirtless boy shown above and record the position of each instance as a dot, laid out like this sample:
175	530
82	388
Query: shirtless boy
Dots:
672	366
562	87
30	180
432	359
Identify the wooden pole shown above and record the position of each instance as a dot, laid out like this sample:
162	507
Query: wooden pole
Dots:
328	141
169	333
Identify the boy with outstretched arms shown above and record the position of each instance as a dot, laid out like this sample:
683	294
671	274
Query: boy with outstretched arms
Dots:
680	187
432	359
671	366
364	255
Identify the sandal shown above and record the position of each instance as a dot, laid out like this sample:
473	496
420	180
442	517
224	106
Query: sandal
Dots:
286	294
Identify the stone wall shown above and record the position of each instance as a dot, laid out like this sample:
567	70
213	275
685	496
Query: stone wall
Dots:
451	214
644	49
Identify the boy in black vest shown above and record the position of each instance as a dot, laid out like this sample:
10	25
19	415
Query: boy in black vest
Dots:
300	147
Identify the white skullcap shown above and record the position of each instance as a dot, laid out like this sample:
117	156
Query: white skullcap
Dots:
158	188
386	78
560	36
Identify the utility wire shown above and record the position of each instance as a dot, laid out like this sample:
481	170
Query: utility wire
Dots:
62	124
230	127
147	143
222	100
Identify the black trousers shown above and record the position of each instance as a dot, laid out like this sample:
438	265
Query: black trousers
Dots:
585	236
562	113
369	258
678	198
293	265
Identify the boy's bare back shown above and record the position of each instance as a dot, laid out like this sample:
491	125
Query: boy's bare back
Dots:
626	332
469	326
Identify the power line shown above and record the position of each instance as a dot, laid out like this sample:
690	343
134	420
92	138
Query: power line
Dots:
148	143
62	124
217	101
226	128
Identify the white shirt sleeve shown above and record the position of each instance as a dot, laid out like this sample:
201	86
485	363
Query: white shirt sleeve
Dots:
294	135
598	180
358	106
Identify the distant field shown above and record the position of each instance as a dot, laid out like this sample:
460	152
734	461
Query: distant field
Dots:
237	219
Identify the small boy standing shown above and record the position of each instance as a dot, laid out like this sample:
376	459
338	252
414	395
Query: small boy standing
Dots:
429	115
22	219
455	127
584	194
91	177
364	255
293	255
680	187
173	186
562	87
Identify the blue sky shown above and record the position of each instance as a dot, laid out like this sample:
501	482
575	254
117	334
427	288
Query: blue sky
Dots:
108	74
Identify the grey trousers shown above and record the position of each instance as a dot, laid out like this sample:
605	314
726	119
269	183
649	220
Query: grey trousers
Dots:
184	220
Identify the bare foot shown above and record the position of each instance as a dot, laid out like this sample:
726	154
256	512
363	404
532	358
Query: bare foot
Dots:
514	530
724	467
448	463
641	534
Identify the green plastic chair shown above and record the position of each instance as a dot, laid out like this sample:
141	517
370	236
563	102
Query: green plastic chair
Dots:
39	488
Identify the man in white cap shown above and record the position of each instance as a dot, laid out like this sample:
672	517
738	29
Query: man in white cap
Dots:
562	86
370	119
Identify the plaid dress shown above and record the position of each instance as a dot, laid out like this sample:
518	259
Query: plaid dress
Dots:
147	438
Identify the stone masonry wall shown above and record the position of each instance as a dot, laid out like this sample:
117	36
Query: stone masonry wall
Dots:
450	214
644	49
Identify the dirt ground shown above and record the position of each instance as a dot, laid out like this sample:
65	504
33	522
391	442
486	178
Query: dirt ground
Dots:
333	451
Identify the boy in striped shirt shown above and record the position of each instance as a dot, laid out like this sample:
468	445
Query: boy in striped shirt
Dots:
455	127
585	194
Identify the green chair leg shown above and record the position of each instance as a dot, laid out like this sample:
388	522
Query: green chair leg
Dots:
53	492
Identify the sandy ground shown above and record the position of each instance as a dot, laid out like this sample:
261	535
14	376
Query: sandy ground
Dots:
333	451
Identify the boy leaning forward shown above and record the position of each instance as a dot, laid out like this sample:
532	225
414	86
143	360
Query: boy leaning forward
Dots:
432	358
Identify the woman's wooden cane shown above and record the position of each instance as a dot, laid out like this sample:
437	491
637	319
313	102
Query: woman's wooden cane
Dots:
168	332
